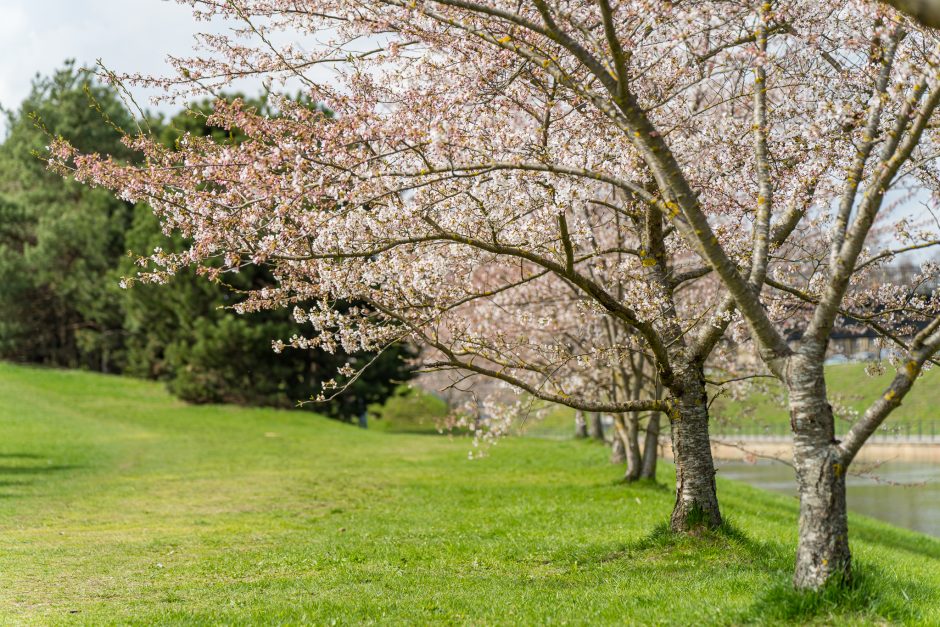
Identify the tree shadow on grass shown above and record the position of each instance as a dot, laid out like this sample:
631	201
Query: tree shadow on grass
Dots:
9	472
32	470
663	549
870	596
727	542
11	484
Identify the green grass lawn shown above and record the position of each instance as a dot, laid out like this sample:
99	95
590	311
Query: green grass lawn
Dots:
119	504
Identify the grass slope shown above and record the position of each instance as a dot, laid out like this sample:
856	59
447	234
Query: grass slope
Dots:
119	504
850	387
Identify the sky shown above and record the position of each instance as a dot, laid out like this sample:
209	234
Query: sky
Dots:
127	35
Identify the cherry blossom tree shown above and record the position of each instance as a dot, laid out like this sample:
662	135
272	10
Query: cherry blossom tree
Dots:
875	90
630	376
500	175
471	218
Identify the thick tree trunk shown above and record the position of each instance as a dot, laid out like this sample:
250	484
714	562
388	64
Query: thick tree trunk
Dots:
823	548
696	498
580	425
597	426
651	448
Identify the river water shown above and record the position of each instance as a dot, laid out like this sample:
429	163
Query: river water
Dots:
915	507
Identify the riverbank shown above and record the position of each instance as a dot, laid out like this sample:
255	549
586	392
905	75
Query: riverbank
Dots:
121	505
906	494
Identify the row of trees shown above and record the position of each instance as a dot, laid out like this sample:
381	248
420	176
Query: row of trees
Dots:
539	192
64	248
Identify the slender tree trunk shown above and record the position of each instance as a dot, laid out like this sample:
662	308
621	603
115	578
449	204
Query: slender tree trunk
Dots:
823	547
597	426
618	452
696	498
627	434
580	425
632	443
650	448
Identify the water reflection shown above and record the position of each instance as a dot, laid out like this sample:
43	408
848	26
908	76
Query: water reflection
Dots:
915	507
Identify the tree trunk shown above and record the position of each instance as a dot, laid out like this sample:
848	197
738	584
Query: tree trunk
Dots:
632	443
696	498
618	452
580	425
651	448
627	434
597	426
822	550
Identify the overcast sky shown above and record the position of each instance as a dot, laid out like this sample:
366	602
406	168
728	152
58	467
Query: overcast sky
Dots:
128	35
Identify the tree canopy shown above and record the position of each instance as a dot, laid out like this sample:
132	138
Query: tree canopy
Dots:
64	248
690	173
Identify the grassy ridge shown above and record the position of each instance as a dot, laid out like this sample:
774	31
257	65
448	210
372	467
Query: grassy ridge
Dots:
119	504
848	386
765	406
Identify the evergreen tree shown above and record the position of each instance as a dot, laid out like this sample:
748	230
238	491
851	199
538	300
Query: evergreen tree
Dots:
186	332
60	241
64	248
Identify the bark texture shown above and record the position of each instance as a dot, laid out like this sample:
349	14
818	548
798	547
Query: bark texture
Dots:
823	548
651	448
696	498
632	444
